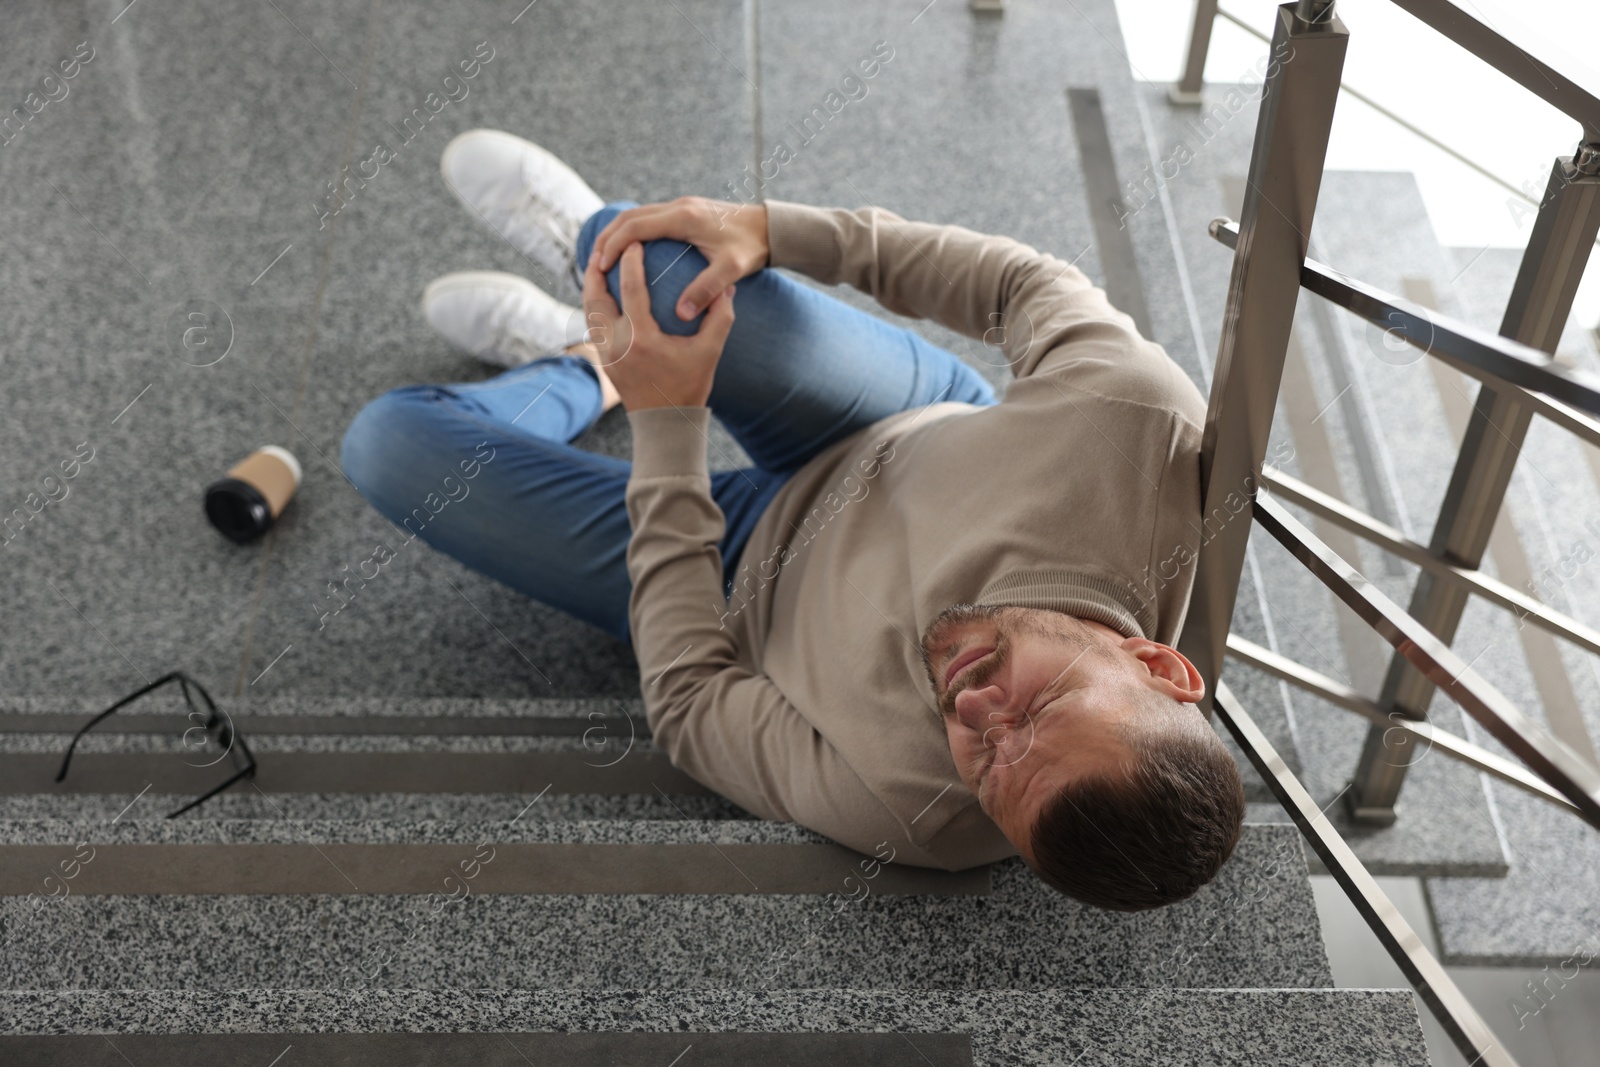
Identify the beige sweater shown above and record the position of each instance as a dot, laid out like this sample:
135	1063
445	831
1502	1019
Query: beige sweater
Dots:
803	697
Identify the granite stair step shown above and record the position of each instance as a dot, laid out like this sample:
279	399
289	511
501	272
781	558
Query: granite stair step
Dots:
888	1027
163	712
350	759
741	904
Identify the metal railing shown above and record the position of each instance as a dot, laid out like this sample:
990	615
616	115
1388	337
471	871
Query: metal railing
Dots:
1520	379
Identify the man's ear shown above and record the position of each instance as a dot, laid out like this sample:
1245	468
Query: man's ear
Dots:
1170	671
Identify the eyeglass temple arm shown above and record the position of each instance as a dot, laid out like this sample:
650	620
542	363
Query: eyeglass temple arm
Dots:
92	723
248	772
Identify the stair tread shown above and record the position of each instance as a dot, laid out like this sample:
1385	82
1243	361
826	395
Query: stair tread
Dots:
396	807
1254	925
530	828
1080	1026
301	704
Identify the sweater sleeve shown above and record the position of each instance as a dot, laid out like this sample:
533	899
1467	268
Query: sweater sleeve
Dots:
717	718
1042	313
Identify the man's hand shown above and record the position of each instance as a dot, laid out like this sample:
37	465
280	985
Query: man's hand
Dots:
732	236
652	369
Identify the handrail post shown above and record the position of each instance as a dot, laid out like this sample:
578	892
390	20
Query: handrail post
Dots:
1291	144
1460	1020
1541	300
1188	88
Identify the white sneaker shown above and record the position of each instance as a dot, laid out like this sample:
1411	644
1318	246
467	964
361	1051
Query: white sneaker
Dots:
524	193
500	318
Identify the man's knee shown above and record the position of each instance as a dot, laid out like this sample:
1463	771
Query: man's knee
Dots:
384	440
669	268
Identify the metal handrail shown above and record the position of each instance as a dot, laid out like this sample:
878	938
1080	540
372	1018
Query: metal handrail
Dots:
1484	355
1461	1021
1281	188
1546	754
1386	537
1424	734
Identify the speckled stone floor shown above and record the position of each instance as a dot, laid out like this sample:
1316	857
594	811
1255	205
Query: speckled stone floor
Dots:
1087	1027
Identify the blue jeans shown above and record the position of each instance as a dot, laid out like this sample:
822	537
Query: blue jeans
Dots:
484	472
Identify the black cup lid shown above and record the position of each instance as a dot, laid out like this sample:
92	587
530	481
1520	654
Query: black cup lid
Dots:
238	509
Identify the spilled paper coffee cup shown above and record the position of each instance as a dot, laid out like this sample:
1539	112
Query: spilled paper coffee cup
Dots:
245	504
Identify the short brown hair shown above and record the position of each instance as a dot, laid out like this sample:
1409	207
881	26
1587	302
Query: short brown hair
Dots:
1149	833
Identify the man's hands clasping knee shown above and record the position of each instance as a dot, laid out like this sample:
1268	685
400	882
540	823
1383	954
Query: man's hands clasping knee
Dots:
648	367
732	236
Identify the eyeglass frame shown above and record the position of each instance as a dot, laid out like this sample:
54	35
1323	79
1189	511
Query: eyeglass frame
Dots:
216	724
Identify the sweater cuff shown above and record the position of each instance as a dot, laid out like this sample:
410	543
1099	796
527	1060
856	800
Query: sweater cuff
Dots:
669	441
803	238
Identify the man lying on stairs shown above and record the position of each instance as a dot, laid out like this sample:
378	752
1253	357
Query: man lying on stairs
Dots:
925	620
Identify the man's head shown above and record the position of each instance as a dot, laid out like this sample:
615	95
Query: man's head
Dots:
1087	750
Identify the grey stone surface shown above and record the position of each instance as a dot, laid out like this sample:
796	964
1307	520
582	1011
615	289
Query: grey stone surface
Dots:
1087	1027
160	179
1153	229
1545	911
361	707
1254	926
383	808
526	822
601	748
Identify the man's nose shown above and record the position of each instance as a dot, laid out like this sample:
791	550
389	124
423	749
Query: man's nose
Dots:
983	708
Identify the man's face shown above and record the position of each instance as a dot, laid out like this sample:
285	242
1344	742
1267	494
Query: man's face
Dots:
1032	698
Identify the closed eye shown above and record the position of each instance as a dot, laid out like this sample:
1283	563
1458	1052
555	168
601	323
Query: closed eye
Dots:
1056	686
